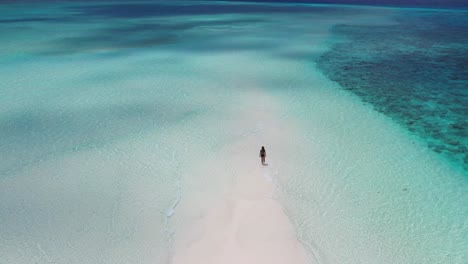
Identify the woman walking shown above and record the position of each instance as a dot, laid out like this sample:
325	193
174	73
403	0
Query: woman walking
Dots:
262	155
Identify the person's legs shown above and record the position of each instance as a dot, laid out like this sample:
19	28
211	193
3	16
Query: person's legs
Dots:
263	160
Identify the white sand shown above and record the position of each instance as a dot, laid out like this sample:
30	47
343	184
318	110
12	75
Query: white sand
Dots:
246	223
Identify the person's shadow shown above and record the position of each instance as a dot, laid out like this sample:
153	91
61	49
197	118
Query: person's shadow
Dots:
265	164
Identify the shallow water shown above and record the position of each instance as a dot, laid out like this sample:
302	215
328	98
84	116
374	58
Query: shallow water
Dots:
120	122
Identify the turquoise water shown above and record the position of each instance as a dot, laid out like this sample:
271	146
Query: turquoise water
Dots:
108	111
414	71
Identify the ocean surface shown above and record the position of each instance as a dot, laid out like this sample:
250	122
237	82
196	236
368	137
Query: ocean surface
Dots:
114	114
415	72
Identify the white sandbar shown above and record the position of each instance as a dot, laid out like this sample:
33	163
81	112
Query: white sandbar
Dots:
245	224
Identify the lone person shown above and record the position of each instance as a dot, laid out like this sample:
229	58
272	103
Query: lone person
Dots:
263	155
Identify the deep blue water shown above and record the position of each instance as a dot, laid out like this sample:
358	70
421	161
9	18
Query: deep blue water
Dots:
415	72
399	3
